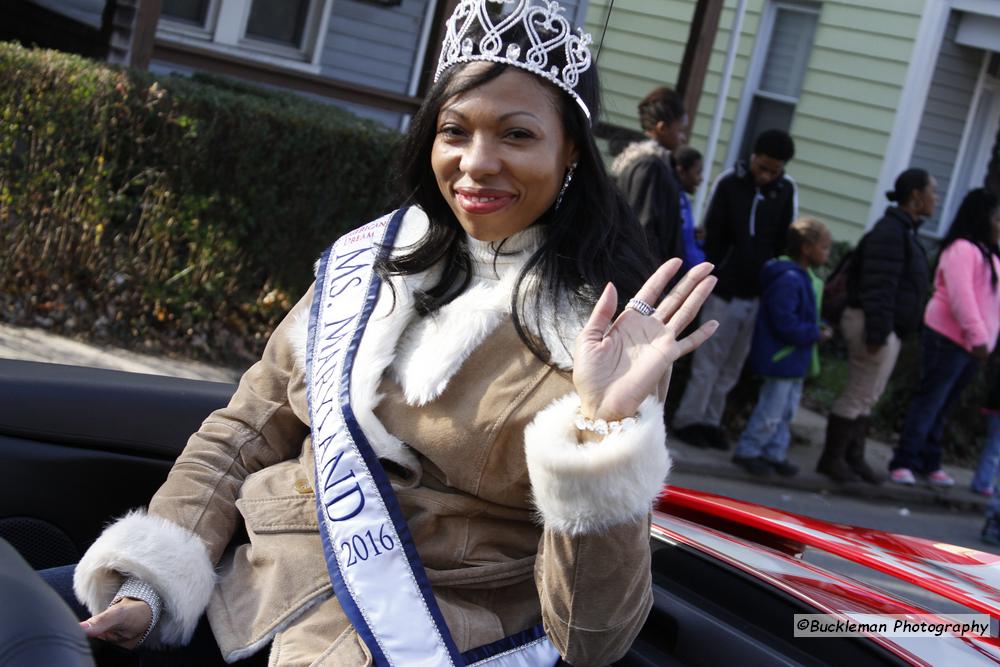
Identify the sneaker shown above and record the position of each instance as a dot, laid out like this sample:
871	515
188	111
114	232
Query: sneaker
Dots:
715	437
755	465
784	468
991	531
902	476
988	491
940	478
693	435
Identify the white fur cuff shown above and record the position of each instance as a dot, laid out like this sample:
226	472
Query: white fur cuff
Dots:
169	558
586	488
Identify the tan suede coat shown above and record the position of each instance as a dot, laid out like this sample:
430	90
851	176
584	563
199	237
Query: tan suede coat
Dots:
493	569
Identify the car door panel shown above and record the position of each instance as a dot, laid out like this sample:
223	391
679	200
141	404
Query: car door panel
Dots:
80	446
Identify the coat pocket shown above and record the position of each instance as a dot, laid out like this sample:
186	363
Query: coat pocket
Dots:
281	514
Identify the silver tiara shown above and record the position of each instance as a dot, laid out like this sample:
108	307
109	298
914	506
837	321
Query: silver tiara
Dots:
557	53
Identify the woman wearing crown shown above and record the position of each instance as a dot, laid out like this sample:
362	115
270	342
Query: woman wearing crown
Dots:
450	447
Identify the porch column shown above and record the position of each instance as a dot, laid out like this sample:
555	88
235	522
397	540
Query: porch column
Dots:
694	66
131	25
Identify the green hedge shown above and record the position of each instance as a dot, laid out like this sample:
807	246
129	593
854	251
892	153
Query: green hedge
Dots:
182	213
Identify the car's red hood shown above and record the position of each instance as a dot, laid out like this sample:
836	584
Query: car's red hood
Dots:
965	576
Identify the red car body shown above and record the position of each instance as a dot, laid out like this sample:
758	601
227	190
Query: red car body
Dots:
768	544
728	575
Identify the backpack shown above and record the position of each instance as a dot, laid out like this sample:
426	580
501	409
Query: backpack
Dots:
835	289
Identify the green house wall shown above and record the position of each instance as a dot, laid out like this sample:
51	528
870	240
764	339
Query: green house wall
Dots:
846	109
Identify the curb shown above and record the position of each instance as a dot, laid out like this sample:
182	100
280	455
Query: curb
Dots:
953	498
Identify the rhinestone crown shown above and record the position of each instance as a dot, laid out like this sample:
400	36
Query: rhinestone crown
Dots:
556	53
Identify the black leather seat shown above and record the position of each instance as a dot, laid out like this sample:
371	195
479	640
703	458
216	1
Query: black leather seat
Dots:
36	626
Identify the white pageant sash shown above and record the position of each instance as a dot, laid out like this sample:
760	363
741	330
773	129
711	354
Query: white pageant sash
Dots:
370	555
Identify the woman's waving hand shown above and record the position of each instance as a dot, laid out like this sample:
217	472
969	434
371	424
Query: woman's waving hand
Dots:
619	363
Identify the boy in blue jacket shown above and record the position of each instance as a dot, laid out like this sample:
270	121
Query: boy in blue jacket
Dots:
784	347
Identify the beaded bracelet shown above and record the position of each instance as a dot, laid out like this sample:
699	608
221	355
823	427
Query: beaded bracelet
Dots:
603	427
137	589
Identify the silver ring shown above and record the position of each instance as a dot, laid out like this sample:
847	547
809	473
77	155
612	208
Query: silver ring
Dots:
641	307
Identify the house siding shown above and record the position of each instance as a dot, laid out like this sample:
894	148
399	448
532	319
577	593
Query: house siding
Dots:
847	104
372	45
365	43
943	124
377	46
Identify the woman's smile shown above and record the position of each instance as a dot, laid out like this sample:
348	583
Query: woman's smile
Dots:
483	202
500	154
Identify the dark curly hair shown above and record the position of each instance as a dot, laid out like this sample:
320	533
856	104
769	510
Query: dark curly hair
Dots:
777	144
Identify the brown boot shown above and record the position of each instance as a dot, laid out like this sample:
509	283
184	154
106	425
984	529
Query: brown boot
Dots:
855	455
838	437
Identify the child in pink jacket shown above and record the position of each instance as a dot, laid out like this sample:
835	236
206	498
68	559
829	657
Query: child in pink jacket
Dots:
961	323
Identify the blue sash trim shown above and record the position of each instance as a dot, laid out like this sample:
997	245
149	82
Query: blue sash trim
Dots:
350	608
375	469
529	648
510	643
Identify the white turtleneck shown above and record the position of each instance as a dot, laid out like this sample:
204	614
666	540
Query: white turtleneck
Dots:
433	348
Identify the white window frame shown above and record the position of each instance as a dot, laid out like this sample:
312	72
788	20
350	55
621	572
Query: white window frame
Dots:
751	87
225	31
168	25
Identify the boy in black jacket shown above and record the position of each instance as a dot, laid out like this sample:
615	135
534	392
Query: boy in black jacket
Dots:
749	212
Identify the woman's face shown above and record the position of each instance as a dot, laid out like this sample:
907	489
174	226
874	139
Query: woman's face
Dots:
925	201
500	153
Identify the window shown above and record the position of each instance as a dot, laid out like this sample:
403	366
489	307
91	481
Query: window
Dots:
194	12
280	21
781	58
287	29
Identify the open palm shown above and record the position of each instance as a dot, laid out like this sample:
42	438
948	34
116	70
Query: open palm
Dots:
617	365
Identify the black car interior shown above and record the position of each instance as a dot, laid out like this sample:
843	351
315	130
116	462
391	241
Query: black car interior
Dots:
81	446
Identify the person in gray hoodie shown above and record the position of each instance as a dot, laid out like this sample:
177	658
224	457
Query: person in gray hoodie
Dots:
646	176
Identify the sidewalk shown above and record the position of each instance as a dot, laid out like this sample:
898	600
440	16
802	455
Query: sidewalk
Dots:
808	433
809	427
39	345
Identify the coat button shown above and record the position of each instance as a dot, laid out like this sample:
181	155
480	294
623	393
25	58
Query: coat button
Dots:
302	486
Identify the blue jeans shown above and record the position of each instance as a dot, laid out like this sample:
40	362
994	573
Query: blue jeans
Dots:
767	433
993	507
989	459
61	581
202	650
945	370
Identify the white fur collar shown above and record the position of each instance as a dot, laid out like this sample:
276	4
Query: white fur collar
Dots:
432	349
392	315
637	151
462	329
